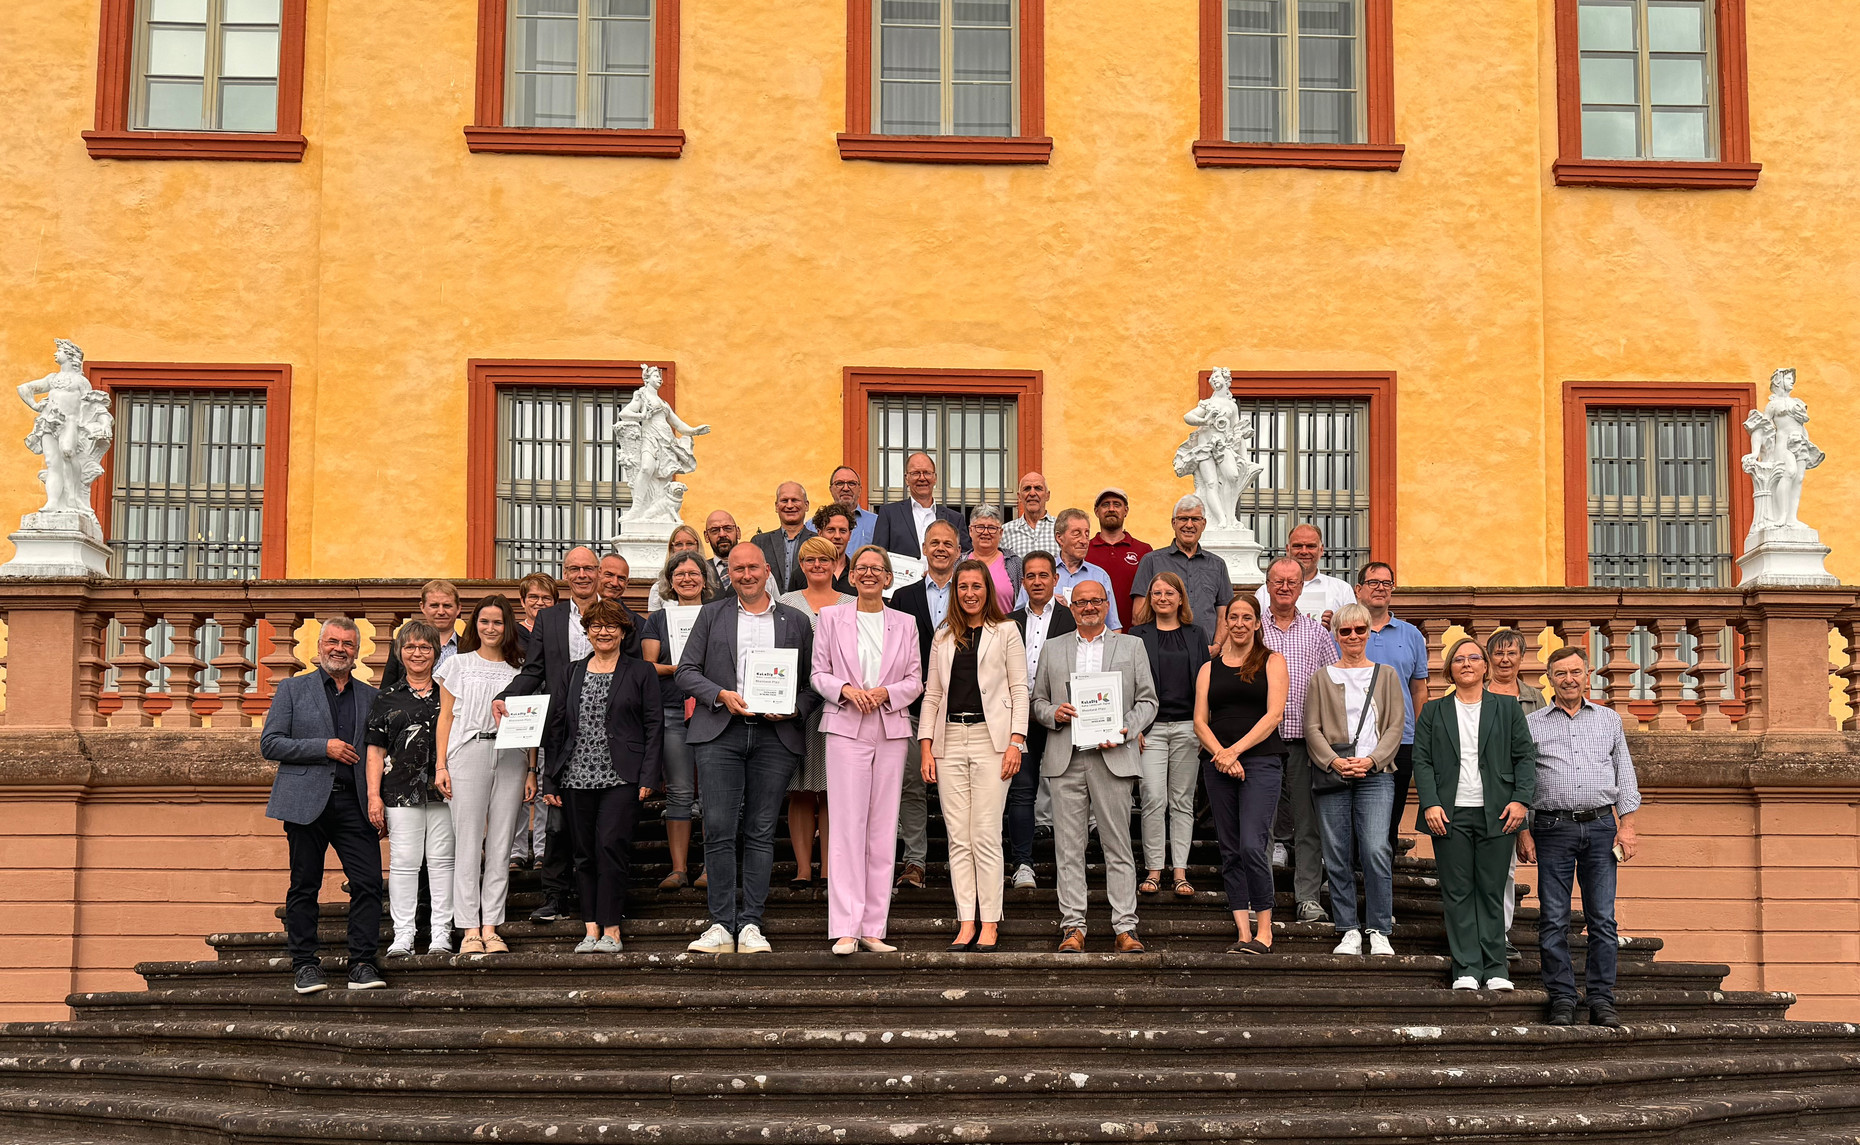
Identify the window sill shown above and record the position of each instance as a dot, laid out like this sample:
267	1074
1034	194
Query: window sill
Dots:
221	145
645	144
1656	175
1320	156
946	148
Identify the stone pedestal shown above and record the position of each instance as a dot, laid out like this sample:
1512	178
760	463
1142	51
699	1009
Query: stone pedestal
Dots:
1784	556
1241	550
58	544
643	544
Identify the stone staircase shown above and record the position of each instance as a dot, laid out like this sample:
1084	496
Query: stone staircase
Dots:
1183	1043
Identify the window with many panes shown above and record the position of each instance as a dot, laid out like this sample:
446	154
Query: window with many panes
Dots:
1659	498
207	65
558	474
1314	454
580	63
1295	71
1648	79
946	67
187	496
973	438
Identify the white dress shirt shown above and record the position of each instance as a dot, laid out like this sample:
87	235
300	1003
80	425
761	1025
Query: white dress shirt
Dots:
1322	593
755	632
921	517
578	646
1038	623
1090	656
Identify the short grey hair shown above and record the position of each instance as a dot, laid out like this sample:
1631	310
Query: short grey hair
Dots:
345	624
1189	502
1348	614
1296	567
986	513
1064	518
1505	638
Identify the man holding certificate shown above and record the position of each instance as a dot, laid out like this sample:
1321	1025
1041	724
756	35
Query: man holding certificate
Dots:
743	664
1094	692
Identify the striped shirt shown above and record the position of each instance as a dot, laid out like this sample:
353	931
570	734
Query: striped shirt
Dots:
1020	538
1582	760
1307	648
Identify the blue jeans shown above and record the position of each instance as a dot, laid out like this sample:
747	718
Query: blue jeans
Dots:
744	773
1567	852
1360	816
680	772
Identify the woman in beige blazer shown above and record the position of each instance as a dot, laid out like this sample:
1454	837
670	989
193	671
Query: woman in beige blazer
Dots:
972	731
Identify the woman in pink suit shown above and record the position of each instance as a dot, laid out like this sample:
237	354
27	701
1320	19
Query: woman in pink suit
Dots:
866	670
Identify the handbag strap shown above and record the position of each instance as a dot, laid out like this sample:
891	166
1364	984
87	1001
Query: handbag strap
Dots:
1369	697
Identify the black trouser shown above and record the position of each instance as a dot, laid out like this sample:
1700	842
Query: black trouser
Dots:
1404	778
1243	811
602	820
358	846
1023	789
558	858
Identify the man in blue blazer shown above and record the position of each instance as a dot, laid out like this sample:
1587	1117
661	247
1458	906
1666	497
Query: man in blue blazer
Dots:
744	759
313	732
901	524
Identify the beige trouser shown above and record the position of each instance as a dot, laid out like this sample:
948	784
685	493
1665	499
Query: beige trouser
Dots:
974	797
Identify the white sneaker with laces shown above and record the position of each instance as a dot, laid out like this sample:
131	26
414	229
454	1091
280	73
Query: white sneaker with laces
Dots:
1379	943
399	950
1498	984
749	940
1023	878
716	940
439	946
1466	983
1351	943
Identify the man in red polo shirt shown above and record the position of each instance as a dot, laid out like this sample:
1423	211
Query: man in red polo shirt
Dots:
1113	550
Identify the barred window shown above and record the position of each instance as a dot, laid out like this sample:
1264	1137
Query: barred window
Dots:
187	496
947	67
1302	85
1315	454
580	63
207	65
1659	498
973	439
558	474
1648	72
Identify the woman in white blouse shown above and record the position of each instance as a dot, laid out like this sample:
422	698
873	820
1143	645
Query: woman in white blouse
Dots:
1353	726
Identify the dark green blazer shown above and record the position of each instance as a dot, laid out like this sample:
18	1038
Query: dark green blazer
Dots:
1507	757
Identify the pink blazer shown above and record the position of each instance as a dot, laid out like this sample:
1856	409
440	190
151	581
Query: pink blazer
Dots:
836	664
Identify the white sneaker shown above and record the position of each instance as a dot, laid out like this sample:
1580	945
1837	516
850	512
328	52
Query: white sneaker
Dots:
1023	878
1351	943
1379	943
440	946
716	940
1466	983
400	950
1280	857
1498	984
749	940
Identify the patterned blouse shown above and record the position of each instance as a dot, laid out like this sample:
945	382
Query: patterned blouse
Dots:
592	767
402	722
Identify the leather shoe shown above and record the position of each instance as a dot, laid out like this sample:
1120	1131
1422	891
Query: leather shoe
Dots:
1126	943
1073	943
1603	1014
1562	1012
913	876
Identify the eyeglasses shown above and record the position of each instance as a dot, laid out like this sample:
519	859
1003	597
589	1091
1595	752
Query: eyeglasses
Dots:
1378	584
1354	630
1190	520
603	628
1077	603
975	528
1470	658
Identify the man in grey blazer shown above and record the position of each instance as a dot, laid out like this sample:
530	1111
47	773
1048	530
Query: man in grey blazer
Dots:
744	759
313	731
1088	780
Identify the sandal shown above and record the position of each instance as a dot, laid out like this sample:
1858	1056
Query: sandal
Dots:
1184	889
676	881
703	881
1150	886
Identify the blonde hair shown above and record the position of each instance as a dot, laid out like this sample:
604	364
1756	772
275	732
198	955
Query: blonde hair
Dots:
816	546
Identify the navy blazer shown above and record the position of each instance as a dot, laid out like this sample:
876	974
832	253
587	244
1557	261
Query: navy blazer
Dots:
296	736
635	724
896	530
708	667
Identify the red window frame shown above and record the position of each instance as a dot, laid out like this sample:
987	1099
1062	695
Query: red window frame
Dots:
1026	387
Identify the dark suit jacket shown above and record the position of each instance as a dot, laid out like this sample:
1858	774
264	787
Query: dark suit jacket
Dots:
1507	757
635	724
546	662
1061	623
296	736
708	668
1197	654
771	544
896	531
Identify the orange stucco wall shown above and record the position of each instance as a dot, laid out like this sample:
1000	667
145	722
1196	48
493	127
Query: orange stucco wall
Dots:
761	263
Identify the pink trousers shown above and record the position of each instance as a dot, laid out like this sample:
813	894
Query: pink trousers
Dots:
864	778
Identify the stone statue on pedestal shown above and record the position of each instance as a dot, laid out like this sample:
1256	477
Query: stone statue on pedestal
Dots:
655	447
73	429
1780	549
1215	455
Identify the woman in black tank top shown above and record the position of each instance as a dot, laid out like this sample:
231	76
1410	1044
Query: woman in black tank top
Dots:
1239	702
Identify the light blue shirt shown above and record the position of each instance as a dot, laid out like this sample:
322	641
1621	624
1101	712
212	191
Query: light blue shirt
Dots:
1401	646
1068	578
938	599
864	522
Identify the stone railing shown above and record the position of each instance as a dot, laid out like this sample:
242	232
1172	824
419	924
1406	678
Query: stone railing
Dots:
88	654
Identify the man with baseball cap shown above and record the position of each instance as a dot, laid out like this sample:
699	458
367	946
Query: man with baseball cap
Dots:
1113	550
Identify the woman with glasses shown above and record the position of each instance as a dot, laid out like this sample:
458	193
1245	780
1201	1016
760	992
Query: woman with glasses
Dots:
687	582
1353	725
1475	773
807	791
867	671
402	800
1171	756
684	539
1004	567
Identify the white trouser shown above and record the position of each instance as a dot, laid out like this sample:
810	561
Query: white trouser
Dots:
487	791
419	835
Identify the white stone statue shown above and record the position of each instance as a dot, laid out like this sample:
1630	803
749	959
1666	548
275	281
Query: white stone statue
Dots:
1780	549
72	430
1215	454
653	453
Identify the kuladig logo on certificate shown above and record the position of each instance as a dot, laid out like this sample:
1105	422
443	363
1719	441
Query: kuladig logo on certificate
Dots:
522	725
1098	698
774	676
904	571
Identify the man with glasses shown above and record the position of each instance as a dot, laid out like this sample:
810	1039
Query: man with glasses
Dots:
1308	649
901	524
1400	645
1032	531
1113	550
1209	586
849	491
1322	594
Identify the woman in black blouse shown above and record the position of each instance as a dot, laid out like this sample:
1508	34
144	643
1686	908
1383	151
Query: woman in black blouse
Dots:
403	804
1171	757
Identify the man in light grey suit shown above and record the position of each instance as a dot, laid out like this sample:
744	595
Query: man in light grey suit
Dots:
1093	779
313	731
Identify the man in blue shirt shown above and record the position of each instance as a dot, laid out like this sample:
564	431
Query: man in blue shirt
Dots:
847	489
1401	646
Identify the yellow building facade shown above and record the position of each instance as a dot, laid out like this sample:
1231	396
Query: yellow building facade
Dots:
1478	287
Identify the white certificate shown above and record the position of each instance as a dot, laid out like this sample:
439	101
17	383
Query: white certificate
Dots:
773	677
904	570
679	620
522	725
1098	698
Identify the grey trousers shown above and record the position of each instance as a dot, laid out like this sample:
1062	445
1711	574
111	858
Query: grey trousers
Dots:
1086	788
914	805
1297	824
487	793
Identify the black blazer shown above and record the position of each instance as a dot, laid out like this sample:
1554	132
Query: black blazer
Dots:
546	661
1197	652
913	601
635	724
896	530
771	544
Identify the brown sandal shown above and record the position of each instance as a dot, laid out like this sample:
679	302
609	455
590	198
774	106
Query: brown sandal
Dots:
676	881
1150	886
1184	889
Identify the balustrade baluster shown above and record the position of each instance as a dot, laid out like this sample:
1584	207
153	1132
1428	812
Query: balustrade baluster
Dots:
1756	698
183	668
1850	634
385	624
1620	670
132	671
1531	672
1434	631
232	663
1712	675
91	665
1668	672
281	663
